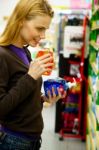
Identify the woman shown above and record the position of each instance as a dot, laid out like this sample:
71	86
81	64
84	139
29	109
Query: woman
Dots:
21	78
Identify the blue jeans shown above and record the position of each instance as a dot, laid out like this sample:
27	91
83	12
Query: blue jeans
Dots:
12	142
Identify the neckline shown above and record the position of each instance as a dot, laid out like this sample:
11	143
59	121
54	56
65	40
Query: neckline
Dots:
14	46
17	52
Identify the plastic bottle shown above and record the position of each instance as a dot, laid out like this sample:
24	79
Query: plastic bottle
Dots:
75	129
60	83
46	50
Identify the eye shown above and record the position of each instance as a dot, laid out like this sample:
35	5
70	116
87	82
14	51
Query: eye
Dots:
40	29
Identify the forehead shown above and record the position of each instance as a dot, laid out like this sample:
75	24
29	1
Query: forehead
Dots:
43	21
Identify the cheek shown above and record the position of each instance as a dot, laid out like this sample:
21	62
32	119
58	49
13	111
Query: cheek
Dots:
26	34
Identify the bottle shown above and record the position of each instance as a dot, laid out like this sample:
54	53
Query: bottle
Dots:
75	129
60	83
46	50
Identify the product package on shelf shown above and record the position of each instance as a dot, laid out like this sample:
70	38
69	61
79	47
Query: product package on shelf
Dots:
93	99
73	40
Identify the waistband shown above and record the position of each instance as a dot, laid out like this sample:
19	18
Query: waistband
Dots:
33	137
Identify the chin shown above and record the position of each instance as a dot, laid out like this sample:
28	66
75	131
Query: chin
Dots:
33	44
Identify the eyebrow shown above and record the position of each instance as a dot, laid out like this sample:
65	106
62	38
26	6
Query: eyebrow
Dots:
42	27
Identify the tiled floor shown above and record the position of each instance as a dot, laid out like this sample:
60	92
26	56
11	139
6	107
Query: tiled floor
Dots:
51	139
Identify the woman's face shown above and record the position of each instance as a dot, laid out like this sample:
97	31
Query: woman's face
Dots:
33	31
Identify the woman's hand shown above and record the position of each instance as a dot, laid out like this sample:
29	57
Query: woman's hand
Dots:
52	99
40	65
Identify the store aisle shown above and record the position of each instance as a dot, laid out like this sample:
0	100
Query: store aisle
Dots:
51	139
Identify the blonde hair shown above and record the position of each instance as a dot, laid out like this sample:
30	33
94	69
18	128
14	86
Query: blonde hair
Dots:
25	9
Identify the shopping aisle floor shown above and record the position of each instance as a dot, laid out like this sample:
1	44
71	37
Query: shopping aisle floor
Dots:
51	139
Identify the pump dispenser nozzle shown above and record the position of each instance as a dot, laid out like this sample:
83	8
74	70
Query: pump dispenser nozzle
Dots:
71	84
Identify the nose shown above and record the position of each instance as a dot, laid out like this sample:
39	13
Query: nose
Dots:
42	35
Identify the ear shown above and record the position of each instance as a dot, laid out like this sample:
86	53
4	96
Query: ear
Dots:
22	22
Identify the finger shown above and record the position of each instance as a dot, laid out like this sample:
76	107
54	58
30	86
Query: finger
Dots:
49	94
59	93
34	61
48	65
53	91
45	99
64	94
44	56
42	69
46	60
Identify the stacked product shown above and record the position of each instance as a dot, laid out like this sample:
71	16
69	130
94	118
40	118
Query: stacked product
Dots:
93	96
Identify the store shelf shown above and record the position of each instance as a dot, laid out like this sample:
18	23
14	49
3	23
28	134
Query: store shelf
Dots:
93	108
76	62
73	70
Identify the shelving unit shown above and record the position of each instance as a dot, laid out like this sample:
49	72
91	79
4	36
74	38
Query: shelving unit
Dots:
93	87
72	109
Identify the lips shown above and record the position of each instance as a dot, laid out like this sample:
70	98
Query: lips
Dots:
34	42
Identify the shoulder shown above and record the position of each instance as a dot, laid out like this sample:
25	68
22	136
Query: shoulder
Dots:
3	50
5	54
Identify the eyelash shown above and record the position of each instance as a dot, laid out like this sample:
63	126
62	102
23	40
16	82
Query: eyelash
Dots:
40	29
